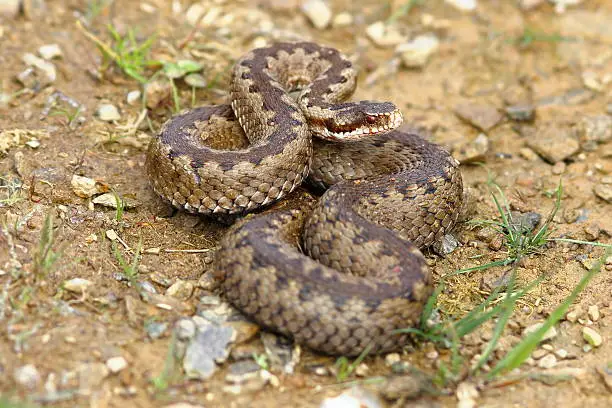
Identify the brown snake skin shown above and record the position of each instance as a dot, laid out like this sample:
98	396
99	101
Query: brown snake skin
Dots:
391	193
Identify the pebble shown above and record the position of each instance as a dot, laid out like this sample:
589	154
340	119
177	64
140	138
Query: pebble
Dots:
180	289
538	354
593	312
385	35
571	316
155	329
157	92
318	12
109	200
447	245
343	19
50	51
133	97
592	336
27	376
603	191
548	361
356	397
528	154
185	329
561	353
116	364
403	386
77	285
9	8
108	112
209	346
525	222
40	64
473	150
245	330
483	117
554	144
362	370
392	358
463	5
521	113
84	187
593	130
591	81
416	53
242	371
466	395
558	168
550	333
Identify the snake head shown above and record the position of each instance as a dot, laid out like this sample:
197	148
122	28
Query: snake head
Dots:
358	120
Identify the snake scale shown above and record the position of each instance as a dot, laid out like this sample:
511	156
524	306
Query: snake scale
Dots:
349	273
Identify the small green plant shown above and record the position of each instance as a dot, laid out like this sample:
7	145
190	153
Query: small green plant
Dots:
531	36
261	360
69	114
11	189
130	268
126	52
120	206
45	257
344	369
170	372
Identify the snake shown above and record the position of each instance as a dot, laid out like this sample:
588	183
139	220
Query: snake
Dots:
348	274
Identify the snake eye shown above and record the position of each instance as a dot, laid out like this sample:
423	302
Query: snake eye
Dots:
371	119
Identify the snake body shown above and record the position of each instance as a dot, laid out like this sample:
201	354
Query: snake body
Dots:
361	275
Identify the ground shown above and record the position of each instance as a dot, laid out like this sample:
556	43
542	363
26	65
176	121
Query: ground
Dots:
110	339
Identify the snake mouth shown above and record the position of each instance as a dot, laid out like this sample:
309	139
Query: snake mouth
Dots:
370	125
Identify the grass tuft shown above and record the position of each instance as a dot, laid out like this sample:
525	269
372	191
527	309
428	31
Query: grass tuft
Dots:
45	257
130	268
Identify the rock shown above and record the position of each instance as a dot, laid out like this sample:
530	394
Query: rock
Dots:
133	97
77	285
318	12
483	117
448	245
180	289
571	316
472	151
242	371
50	51
548	361
157	92
155	329
593	312
85	187
521	113
385	35
528	154
554	144
109	200
355	397
46	67
282	355
91	376
27	376
525	222
343	19
603	191
245	330
550	333
466	395
591	81
185	329
116	364
558	168
108	112
392	358
416	53
592	337
593	130
403	386
9	8
561	353
538	354
463	5
209	346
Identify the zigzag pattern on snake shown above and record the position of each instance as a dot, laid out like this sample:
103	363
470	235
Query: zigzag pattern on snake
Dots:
361	275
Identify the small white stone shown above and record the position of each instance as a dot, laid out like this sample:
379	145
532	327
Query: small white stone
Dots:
318	12
550	333
33	143
463	5
593	312
45	66
108	112
27	376
592	337
84	187
50	51
385	35
561	353
571	316
77	285
416	53
342	20
392	358
362	370
116	364
180	289
133	97
548	361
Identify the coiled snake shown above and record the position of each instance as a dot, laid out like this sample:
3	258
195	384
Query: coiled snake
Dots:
392	193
